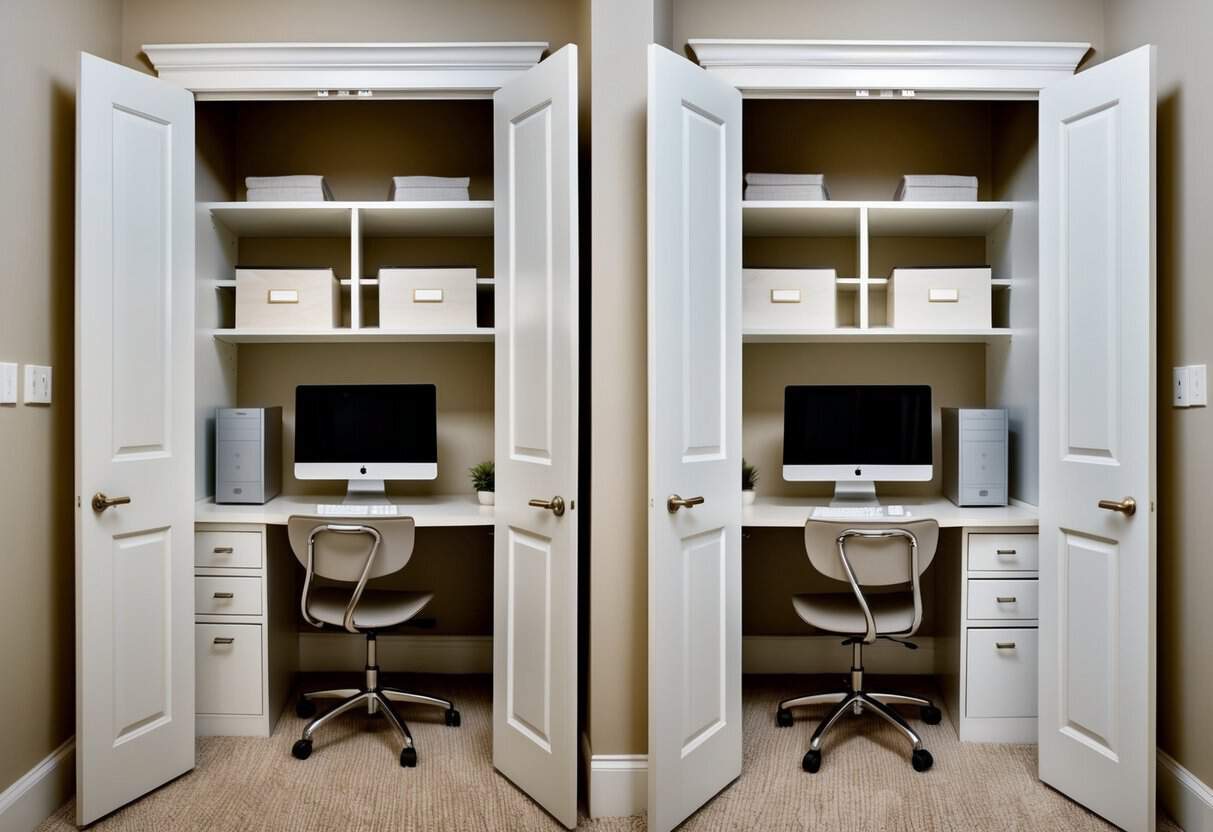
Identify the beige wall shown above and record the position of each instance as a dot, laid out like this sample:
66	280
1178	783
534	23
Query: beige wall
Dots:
39	45
1185	298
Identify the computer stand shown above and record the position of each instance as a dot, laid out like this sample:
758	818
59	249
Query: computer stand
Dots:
854	494
365	493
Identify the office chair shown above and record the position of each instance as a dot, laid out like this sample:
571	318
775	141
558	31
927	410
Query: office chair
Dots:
354	551
866	554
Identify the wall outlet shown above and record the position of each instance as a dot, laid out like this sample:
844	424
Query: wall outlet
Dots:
1198	390
8	383
37	384
1179	386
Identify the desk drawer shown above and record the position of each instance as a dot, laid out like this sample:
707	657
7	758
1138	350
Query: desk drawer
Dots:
1004	600
1000	674
238	549
229	676
225	595
1003	552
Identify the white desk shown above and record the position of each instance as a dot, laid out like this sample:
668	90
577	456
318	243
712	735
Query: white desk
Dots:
792	512
441	510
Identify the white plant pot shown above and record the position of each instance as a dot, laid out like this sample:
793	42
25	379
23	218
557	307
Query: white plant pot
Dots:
485	497
747	497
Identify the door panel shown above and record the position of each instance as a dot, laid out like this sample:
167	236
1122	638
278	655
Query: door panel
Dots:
694	180
535	560
1097	375
134	435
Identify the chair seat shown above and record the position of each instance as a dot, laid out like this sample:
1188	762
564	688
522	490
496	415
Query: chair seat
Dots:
840	612
378	608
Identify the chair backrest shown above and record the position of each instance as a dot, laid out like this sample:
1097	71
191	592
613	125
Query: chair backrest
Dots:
875	561
342	545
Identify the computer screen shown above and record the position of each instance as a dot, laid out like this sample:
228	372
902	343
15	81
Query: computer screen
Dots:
857	432
372	431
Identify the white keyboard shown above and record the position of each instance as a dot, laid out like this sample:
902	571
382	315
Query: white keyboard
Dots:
859	512
356	510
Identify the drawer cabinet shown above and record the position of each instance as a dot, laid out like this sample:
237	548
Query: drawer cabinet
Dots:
1003	552
227	595
228	658
1002	600
219	549
1001	672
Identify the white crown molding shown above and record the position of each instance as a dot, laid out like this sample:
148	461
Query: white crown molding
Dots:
821	66
306	70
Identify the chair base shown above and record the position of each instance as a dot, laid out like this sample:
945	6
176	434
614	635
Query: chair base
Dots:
377	699
857	700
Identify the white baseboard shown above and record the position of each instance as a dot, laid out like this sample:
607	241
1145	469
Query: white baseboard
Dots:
1187	799
397	653
618	784
40	791
825	654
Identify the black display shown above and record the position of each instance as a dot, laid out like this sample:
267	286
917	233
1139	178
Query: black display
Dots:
857	425
366	423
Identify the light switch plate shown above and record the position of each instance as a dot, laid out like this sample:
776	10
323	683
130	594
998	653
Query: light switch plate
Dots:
1198	390
1179	386
8	383
37	384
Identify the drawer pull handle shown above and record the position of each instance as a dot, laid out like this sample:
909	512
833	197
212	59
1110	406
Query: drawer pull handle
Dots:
233	595
1004	552
1002	599
1005	645
224	550
785	296
224	639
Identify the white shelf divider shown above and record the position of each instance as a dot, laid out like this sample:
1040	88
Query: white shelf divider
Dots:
839	218
377	219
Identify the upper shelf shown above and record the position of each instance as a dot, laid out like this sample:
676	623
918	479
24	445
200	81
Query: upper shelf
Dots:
352	336
377	219
838	218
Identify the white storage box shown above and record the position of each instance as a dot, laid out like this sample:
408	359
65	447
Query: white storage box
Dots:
940	299
932	188
766	187
287	189
427	298
429	189
287	299
788	299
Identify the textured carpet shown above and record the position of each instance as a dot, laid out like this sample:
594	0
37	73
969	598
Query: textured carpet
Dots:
353	783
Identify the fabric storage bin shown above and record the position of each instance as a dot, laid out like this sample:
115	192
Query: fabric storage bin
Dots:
289	299
766	187
788	299
940	299
427	298
287	189
930	188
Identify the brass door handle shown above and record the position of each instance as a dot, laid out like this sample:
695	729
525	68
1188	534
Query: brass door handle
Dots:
102	502
554	505
1127	506
674	502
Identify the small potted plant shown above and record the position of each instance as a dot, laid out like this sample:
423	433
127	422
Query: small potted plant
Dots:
749	479
482	481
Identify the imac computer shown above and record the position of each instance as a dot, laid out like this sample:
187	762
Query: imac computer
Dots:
365	434
854	435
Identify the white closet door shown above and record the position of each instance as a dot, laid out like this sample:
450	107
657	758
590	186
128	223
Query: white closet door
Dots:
134	435
1097	409
535	550
694	212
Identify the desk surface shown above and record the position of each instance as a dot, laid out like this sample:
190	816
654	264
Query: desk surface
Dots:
442	510
791	512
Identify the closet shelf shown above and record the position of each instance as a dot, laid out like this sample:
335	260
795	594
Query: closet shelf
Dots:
335	219
837	218
882	335
353	336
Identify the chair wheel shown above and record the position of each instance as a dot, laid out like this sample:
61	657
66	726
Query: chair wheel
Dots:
783	718
305	708
453	718
812	761
922	759
931	715
408	757
302	749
